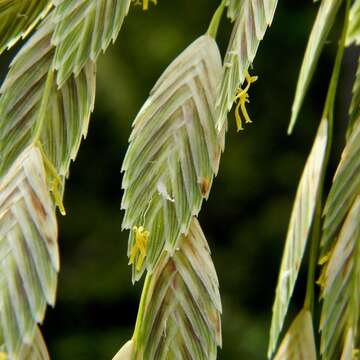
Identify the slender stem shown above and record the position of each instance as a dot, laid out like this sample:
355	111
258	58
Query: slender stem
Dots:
140	315
328	115
215	21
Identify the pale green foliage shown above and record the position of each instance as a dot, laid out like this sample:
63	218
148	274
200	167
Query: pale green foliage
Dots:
22	107
345	189
341	287
298	232
84	28
353	35
166	180
339	227
299	342
340	250
173	156
29	250
45	105
252	20
322	26
181	298
41	128
18	18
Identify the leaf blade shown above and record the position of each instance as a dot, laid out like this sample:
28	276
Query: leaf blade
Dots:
298	231
321	28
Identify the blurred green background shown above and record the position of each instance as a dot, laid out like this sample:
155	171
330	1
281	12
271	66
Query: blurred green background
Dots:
245	219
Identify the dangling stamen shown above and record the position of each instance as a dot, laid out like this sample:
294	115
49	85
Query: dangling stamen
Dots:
144	3
139	249
242	98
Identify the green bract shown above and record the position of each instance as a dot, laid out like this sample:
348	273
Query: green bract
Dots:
166	180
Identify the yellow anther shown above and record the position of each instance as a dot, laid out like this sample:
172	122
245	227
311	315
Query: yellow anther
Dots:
325	258
145	3
140	247
242	98
3	356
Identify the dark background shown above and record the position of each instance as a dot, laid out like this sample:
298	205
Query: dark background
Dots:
246	216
